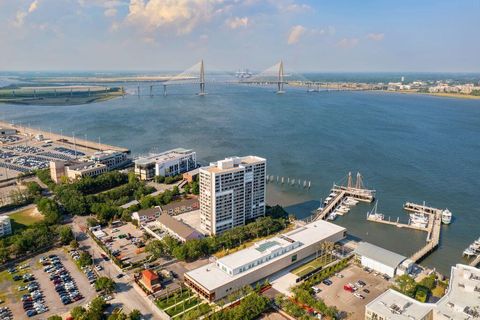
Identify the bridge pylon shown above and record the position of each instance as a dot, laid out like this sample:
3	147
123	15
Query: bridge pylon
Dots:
280	78
202	79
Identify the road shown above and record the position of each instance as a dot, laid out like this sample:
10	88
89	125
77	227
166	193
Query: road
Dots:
128	295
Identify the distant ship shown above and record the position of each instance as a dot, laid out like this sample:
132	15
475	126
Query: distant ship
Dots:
243	74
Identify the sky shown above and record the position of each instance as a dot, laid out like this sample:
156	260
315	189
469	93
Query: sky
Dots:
322	35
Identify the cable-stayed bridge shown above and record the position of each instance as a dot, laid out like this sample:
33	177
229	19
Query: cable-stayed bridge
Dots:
197	76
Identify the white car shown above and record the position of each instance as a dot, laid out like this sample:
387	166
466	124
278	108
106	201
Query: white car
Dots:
358	295
99	267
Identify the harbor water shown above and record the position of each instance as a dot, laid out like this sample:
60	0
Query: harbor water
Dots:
408	147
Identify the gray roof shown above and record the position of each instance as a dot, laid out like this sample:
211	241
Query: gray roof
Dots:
384	256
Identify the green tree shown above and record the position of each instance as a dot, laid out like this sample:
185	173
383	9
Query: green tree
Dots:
50	210
105	284
66	234
54	317
406	285
85	259
74	244
78	313
135	315
156	248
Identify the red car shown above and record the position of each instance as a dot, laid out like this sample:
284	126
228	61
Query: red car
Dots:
348	288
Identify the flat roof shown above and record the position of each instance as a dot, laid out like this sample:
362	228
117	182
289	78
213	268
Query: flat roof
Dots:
181	229
149	212
461	301
164	156
382	255
232	164
211	276
461	295
397	306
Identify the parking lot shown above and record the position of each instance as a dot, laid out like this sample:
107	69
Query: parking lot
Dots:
354	306
21	154
42	287
125	242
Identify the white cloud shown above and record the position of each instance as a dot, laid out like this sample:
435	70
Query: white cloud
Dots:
33	6
347	43
22	15
376	36
328	31
295	34
237	22
110	12
182	15
294	7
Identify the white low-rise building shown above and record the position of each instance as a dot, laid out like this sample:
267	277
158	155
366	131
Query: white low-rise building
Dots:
260	261
168	163
380	259
461	301
5	226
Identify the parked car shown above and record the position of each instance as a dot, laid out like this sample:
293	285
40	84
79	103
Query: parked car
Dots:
328	282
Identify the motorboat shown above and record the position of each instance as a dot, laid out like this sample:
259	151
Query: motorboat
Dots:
419	218
349	201
469	252
446	216
343	209
332	216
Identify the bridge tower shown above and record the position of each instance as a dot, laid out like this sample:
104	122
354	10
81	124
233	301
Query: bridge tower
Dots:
280	79
202	80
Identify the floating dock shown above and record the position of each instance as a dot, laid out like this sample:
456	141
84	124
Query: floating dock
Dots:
433	227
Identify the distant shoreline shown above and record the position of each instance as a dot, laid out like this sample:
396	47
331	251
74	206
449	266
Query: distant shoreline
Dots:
437	94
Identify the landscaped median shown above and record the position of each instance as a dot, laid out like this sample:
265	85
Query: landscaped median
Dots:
183	305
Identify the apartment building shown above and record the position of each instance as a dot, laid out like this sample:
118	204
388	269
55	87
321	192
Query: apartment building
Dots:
232	191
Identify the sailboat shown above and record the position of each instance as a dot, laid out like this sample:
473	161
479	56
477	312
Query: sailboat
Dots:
373	213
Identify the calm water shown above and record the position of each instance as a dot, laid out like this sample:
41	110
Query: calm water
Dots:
408	147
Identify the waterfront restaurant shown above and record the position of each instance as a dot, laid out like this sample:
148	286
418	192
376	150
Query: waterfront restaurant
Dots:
258	262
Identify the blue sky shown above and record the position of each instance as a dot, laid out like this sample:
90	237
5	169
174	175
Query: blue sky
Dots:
334	35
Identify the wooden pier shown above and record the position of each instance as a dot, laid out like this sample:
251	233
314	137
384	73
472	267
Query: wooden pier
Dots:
475	262
397	223
433	227
357	191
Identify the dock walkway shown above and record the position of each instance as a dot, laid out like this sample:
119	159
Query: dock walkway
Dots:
475	262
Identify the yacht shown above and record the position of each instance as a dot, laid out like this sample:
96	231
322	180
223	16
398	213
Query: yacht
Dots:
343	209
419	218
332	216
469	252
349	201
446	216
477	242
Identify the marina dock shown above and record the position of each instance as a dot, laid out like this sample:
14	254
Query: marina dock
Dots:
475	262
357	192
433	227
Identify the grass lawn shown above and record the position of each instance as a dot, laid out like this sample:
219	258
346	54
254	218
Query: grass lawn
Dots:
313	265
24	218
201	309
175	298
185	305
438	291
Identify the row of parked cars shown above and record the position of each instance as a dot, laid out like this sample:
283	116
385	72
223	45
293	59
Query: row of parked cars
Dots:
33	301
355	288
5	313
64	284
